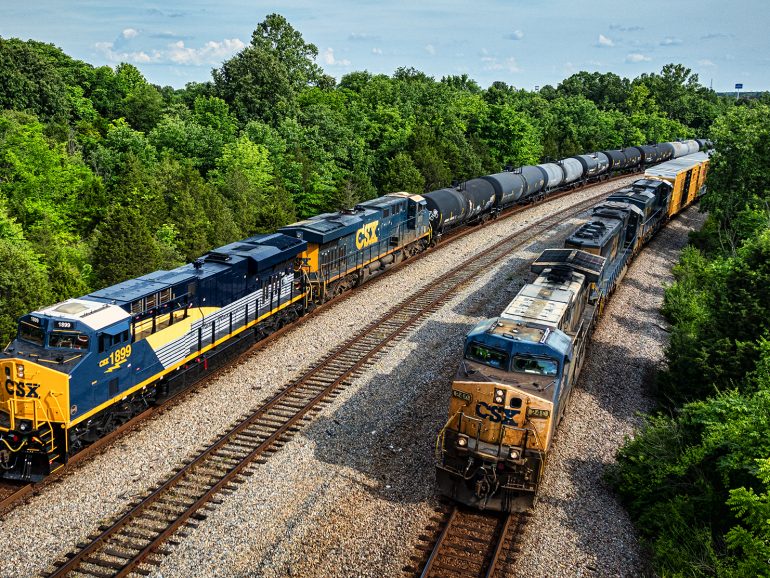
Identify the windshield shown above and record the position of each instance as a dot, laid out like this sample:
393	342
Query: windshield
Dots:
31	333
68	339
536	365
487	355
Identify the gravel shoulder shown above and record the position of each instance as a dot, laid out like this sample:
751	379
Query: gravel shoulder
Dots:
340	479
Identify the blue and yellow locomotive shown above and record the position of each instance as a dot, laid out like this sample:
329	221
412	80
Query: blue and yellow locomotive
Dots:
79	369
518	369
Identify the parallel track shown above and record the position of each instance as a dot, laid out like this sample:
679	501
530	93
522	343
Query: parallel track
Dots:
12	494
474	544
136	537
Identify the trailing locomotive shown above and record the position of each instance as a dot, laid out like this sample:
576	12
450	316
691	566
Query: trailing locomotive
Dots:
518	370
79	369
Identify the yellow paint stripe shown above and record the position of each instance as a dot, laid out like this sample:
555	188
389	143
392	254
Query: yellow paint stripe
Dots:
168	370
179	328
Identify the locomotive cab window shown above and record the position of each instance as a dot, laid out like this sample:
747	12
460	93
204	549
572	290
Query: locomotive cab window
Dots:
68	340
487	355
31	333
535	365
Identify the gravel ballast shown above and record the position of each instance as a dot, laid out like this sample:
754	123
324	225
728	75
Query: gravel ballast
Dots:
356	487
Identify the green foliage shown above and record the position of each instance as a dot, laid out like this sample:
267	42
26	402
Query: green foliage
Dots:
124	247
269	139
696	478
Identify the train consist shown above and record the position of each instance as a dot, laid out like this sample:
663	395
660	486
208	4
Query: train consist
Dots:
79	369
519	369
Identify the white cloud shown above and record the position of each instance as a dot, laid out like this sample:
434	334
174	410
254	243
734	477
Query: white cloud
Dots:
706	62
138	57
130	33
492	63
671	41
212	52
376	50
430	49
330	60
515	35
637	57
604	41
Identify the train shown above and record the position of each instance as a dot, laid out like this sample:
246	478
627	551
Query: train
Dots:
79	369
518	369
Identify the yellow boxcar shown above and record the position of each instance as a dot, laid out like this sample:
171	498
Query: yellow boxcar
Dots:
687	175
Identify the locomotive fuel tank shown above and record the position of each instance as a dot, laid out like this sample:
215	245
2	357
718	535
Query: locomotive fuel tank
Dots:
509	187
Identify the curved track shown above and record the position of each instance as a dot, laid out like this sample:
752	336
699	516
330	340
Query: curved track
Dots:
136	537
12	494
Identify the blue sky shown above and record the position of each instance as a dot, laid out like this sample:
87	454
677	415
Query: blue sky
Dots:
525	43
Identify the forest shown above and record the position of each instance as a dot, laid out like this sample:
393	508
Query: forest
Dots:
104	177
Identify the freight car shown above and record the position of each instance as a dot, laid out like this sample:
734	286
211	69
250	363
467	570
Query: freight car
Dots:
484	197
79	369
518	369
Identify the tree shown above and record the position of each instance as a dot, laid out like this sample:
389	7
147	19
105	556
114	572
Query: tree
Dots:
23	278
276	36
402	175
124	247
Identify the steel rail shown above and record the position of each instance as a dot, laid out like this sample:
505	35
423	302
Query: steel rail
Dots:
290	411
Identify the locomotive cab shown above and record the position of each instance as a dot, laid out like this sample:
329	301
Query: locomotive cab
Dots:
506	399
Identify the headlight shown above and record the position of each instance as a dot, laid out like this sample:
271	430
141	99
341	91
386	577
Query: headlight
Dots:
24	425
514	454
20	370
462	441
499	396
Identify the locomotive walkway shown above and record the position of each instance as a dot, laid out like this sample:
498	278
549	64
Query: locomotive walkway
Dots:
137	537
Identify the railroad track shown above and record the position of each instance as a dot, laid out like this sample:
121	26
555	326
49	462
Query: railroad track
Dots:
13	494
136	538
470	544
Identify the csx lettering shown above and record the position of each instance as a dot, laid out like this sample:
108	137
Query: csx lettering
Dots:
21	388
496	413
366	235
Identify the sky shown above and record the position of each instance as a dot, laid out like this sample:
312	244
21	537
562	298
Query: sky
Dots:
525	43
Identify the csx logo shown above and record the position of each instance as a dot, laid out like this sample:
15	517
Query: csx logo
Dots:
367	235
21	389
496	413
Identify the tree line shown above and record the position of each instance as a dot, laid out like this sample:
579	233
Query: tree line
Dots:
104	176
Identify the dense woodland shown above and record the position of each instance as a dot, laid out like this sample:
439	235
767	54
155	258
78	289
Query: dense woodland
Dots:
104	177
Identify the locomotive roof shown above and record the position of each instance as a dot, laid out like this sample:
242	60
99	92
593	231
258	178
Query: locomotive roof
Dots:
330	226
260	251
93	314
521	337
